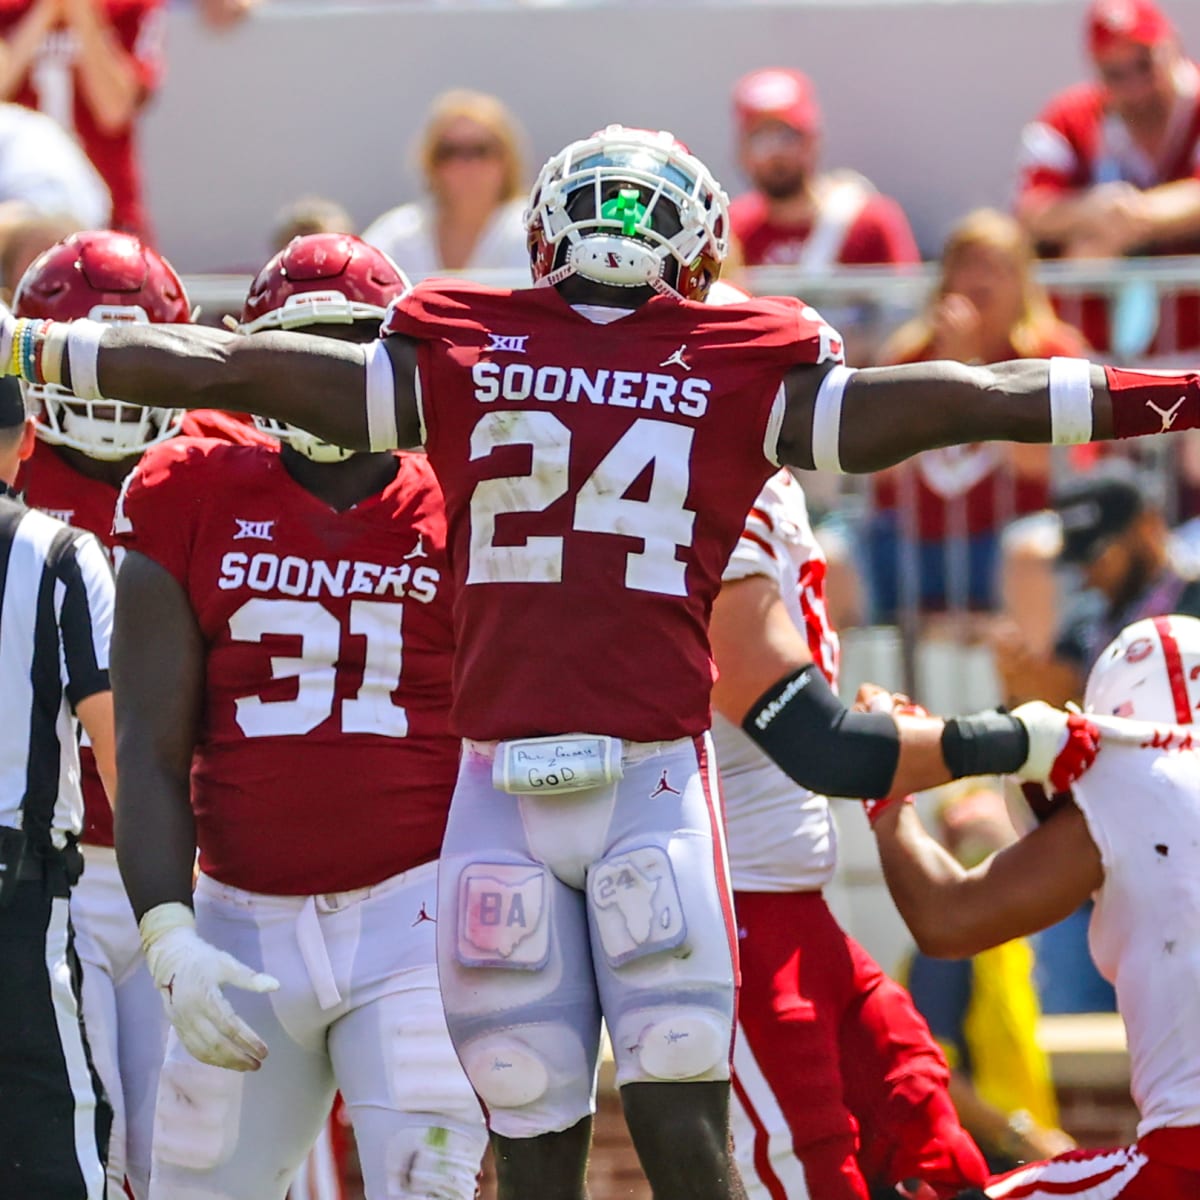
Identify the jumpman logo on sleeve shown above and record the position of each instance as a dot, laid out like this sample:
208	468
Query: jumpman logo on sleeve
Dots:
1168	415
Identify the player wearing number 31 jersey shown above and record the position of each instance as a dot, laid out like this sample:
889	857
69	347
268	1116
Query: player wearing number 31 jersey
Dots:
286	653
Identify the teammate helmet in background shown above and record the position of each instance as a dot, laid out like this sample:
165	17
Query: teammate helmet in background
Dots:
320	279
628	208
1147	672
110	277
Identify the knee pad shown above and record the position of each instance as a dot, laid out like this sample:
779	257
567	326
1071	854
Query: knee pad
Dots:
672	1045
434	1162
534	1078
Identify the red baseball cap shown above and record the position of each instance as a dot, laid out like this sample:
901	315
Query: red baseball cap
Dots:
1111	22
779	94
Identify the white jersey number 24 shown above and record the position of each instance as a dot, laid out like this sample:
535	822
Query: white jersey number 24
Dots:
660	520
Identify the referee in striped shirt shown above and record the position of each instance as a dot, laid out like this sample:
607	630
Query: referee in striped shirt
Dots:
56	601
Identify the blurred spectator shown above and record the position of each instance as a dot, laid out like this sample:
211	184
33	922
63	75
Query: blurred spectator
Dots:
1110	166
984	1012
309	214
1117	538
22	241
225	14
472	216
43	170
91	65
987	307
798	215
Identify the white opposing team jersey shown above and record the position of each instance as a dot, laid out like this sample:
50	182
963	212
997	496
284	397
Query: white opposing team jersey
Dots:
781	837
1142	806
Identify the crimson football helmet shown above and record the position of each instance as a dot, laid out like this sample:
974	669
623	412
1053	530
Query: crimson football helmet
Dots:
1148	672
109	277
651	215
320	279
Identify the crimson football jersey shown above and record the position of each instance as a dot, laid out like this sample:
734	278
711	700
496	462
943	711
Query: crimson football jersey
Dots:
53	85
596	479
48	482
323	762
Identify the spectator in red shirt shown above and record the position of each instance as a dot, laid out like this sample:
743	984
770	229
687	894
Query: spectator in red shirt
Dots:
90	64
987	307
797	215
1112	166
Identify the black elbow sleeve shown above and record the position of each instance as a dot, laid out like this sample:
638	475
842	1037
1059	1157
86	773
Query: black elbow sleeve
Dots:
812	737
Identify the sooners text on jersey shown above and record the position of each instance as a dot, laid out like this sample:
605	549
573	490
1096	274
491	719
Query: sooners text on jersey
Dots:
323	762
596	478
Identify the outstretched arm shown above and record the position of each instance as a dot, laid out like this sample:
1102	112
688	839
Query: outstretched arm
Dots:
860	421
953	912
769	685
360	397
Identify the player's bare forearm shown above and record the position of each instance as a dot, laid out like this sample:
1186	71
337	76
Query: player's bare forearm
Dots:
291	376
157	671
889	414
954	913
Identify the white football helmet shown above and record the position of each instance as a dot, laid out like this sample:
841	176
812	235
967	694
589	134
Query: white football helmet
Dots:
623	237
1149	672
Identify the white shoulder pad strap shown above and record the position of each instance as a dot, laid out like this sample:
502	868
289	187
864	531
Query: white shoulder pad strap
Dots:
827	420
381	399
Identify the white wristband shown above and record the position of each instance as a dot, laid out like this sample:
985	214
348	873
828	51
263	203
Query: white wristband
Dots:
83	353
54	345
827	420
381	399
1070	401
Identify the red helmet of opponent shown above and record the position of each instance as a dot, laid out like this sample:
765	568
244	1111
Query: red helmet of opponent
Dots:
111	277
320	279
629	208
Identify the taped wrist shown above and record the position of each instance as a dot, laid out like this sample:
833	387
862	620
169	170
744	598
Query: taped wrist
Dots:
986	743
817	741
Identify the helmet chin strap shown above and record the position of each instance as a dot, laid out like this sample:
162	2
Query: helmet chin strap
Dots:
103	437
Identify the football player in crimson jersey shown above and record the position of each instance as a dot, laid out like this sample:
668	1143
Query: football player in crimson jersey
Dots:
1128	833
300	593
84	450
599	439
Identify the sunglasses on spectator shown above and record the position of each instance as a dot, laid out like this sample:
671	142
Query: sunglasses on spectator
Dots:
773	136
465	151
1114	75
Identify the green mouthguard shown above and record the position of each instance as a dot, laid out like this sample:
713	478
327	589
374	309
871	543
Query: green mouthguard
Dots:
626	208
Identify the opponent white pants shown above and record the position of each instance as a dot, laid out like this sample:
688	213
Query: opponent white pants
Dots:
357	1010
556	910
124	1017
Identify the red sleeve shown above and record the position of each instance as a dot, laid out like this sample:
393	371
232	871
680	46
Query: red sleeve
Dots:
1055	148
160	502
140	27
881	234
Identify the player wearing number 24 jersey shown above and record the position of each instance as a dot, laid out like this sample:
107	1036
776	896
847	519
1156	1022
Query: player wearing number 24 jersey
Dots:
598	441
302	595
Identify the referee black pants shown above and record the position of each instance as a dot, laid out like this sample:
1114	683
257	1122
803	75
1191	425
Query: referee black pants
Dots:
54	1118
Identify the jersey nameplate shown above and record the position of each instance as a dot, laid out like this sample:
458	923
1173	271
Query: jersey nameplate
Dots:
553	765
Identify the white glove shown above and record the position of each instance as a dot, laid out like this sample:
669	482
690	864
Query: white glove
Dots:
1062	745
189	972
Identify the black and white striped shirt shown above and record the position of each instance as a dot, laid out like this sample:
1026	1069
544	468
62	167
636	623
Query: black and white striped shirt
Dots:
56	608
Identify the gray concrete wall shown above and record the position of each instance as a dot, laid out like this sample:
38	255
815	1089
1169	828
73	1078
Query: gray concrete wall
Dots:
924	96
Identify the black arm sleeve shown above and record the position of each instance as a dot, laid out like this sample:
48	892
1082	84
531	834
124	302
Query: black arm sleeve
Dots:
816	740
